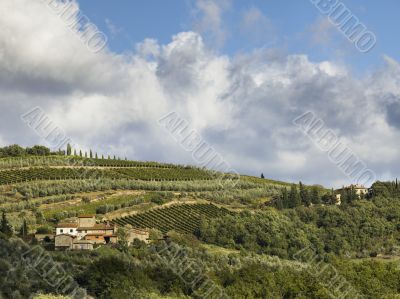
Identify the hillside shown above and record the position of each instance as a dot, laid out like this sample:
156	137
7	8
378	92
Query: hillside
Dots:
247	235
55	187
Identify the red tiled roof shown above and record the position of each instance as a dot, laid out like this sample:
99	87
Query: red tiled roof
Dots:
67	225
99	234
100	226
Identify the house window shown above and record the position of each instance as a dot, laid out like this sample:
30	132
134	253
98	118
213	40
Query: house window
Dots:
71	230
61	230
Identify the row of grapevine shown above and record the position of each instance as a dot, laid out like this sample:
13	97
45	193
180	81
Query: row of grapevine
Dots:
145	174
35	161
184	218
166	174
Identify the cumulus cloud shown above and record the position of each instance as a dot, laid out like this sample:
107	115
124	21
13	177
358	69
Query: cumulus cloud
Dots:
243	105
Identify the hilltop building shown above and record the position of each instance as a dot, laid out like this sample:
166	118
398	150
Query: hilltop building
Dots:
360	190
85	233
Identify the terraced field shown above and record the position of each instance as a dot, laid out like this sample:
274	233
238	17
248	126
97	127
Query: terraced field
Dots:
184	218
43	189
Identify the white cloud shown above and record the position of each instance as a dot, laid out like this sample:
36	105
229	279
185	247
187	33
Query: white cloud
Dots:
209	20
243	106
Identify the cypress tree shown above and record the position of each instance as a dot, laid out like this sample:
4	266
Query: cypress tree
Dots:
5	226
23	232
294	198
304	196
75	152
96	156
91	154
315	199
285	198
69	149
262	176
80	153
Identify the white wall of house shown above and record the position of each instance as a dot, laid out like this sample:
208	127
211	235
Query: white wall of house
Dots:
67	230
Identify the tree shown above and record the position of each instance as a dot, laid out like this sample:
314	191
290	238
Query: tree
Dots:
69	149
285	198
315	199
38	150
23	232
102	157
304	196
74	152
278	202
12	151
91	154
5	226
122	236
80	153
96	156
262	176
294	198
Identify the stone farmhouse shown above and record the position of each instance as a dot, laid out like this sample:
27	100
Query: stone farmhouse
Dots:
359	190
86	233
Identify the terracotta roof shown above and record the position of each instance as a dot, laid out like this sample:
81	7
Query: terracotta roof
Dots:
67	225
100	226
87	216
99	234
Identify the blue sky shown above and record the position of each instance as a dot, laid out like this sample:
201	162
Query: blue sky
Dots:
290	28
239	72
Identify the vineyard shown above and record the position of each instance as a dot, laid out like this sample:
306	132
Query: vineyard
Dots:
74	161
145	174
184	218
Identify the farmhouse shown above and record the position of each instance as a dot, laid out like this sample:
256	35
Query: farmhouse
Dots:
82	245
360	190
135	233
64	241
67	228
84	233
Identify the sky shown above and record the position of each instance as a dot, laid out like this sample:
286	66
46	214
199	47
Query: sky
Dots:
237	72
